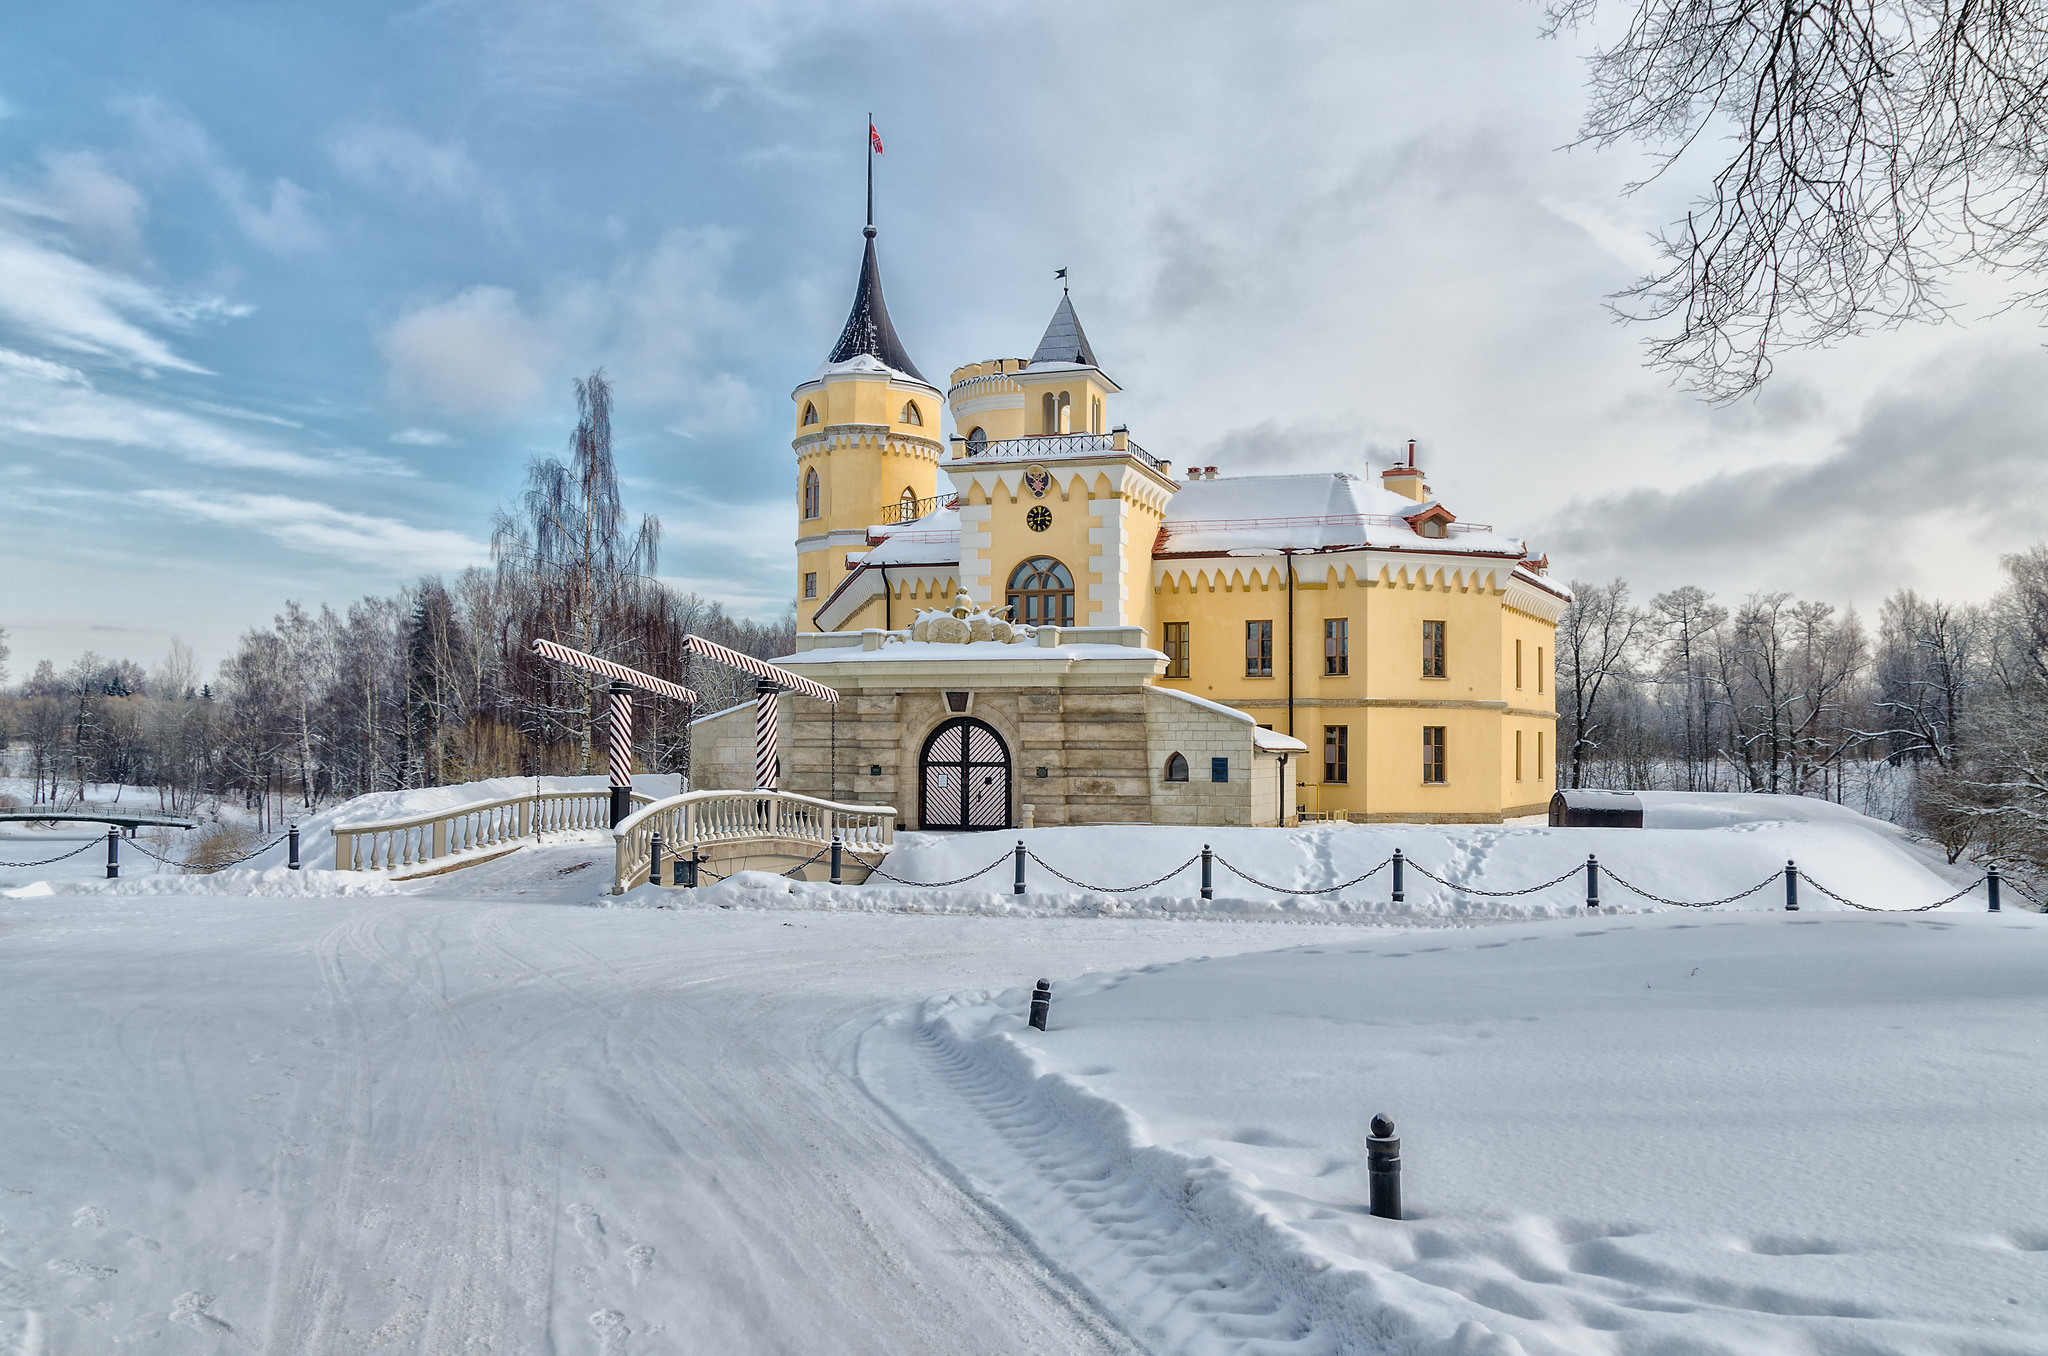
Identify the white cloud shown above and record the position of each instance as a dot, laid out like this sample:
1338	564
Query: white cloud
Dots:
278	217
419	437
477	352
98	205
67	303
400	158
43	400
308	526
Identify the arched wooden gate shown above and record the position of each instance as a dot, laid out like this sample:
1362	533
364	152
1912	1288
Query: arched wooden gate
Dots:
964	776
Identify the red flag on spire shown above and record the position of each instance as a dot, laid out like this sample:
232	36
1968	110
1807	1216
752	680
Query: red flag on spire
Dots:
874	139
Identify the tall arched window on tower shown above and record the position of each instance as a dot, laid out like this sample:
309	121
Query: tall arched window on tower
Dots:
1066	412
910	414
1042	593
1095	415
1051	407
810	414
811	492
906	507
977	441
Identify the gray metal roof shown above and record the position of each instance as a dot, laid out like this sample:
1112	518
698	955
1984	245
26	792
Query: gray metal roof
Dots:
1065	341
867	326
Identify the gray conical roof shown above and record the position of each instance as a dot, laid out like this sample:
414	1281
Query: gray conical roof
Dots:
867	326
1065	341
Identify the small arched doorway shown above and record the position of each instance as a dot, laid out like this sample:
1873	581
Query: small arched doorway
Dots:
964	776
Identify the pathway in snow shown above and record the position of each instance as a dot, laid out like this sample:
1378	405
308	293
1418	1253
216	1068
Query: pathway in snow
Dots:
461	1122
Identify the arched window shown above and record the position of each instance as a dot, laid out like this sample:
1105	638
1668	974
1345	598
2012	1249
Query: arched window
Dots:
811	493
907	505
1066	412
910	414
1176	768
1042	593
810	414
977	441
1095	415
1052	413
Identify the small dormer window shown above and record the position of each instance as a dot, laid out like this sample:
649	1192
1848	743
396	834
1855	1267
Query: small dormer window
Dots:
810	414
911	415
1431	520
1433	527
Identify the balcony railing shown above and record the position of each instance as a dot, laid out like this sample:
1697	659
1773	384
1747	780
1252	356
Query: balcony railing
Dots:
1039	447
909	511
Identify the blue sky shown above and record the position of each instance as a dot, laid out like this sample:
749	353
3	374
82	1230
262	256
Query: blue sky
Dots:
290	294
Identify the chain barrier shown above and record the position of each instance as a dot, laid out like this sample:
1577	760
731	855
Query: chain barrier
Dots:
875	869
1112	889
89	844
1284	890
1689	903
2025	893
1490	894
209	870
792	872
1866	908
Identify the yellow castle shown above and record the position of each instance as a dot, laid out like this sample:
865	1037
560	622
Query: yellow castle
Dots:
1036	620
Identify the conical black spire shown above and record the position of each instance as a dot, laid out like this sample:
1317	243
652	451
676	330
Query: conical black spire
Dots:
1064	341
867	326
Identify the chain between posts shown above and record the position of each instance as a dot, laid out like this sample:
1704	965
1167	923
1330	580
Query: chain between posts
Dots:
1866	908
1492	894
87	846
1284	890
1775	876
1112	889
875	869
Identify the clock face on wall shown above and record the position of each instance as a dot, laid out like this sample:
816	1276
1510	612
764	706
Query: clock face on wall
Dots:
1039	519
1037	480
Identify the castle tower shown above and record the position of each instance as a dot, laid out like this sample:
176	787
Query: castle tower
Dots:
867	443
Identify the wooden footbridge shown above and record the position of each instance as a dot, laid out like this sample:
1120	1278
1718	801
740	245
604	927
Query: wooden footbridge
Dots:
131	820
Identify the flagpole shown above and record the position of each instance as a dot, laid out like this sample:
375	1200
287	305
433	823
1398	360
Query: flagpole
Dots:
871	170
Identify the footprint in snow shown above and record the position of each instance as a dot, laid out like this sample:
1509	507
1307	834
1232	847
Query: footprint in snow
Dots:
88	1217
191	1307
639	1261
590	1228
71	1266
611	1331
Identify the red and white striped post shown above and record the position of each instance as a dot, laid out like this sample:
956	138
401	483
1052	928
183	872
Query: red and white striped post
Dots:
619	749
765	693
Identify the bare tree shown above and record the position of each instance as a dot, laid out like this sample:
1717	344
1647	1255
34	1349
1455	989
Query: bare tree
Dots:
1874	148
1689	617
1597	642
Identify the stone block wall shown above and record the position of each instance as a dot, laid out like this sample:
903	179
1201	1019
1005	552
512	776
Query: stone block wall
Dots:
1198	734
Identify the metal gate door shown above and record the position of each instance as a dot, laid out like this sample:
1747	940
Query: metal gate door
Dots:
965	776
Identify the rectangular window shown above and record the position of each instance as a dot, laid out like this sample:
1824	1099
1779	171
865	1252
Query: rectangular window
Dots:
1518	750
1518	665
1337	646
1433	754
1258	649
1539	755
1219	769
1336	753
1539	668
1176	649
810	584
1433	649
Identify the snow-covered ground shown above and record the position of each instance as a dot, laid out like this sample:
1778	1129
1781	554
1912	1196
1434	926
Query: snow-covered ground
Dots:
321	1112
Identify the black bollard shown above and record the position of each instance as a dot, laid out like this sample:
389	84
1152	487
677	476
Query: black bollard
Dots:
1041	1003
1020	868
1791	887
1208	888
1991	884
835	856
292	840
113	854
654	858
1400	891
1592	883
1383	1168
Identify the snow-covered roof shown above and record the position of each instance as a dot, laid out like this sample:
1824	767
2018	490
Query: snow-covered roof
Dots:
1326	510
1064	341
924	652
1272	741
931	540
865	364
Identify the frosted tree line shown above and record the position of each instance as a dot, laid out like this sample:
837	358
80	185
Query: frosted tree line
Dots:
430	685
1937	720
